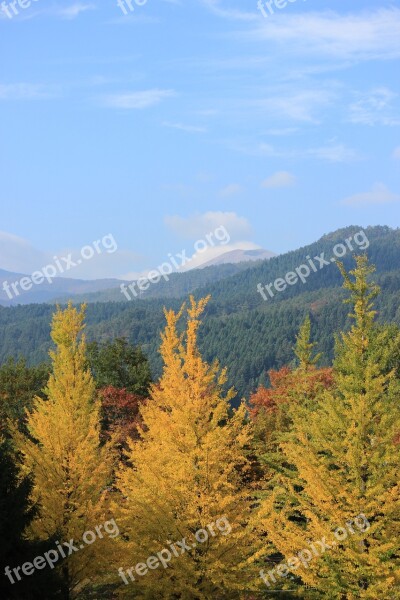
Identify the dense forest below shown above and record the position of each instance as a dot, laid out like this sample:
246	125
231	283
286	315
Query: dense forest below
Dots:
97	460
261	333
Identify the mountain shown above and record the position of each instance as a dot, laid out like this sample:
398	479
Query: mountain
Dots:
109	290
178	284
47	292
175	285
239	256
247	333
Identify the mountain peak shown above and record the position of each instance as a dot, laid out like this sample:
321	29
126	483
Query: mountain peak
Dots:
239	256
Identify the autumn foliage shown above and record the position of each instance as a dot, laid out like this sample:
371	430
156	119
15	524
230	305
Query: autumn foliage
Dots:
305	456
120	414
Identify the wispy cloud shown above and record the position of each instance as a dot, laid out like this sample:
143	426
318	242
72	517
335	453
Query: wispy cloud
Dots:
217	9
231	190
25	91
73	10
196	226
331	152
58	11
298	105
137	100
379	194
281	107
19	255
357	36
279	180
183	127
396	153
336	153
376	108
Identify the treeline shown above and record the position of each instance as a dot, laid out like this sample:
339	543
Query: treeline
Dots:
112	486
261	333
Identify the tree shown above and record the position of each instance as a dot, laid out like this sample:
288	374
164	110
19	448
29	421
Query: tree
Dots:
120	416
304	348
16	514
19	384
120	365
188	472
344	464
62	453
270	407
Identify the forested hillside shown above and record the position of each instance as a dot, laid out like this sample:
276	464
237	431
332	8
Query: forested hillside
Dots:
118	470
248	334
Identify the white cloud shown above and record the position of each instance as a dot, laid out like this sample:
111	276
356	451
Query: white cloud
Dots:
336	153
200	258
197	226
25	91
359	36
331	152
279	180
74	10
298	105
18	255
196	259
396	153
379	194
70	12
186	128
231	190
138	100
375	108
214	6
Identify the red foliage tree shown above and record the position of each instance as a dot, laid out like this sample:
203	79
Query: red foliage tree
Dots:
120	414
287	386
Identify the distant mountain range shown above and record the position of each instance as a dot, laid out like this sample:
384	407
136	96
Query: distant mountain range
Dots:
239	256
46	292
106	290
247	333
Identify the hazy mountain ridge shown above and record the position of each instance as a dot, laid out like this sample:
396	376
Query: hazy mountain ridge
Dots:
108	290
239	256
47	292
261	333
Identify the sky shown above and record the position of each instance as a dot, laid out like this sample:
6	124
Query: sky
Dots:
160	125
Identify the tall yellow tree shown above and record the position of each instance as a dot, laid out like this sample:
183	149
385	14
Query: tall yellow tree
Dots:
62	453
342	463
187	474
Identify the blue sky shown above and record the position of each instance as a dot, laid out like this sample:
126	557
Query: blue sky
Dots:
160	125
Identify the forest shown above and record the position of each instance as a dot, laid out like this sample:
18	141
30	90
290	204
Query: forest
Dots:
119	483
261	333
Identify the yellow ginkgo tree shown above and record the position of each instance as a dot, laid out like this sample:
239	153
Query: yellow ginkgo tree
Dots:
338	500
69	468
187	473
